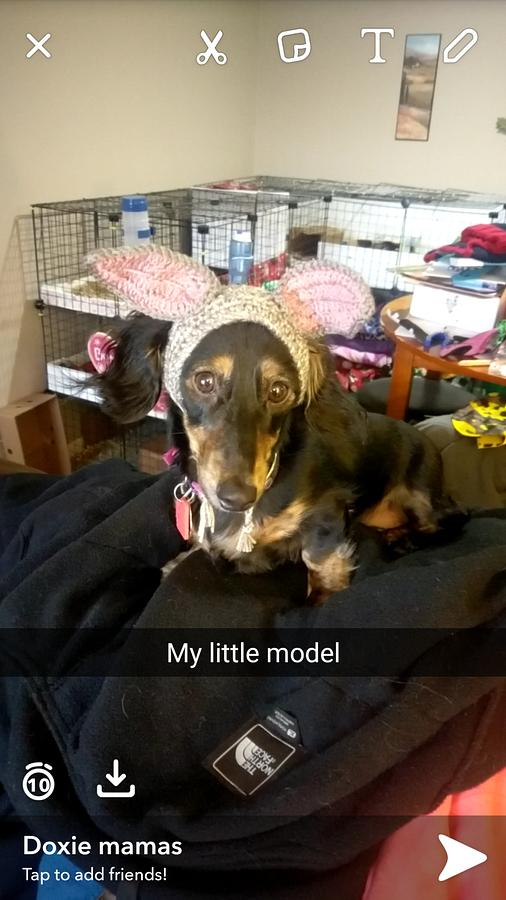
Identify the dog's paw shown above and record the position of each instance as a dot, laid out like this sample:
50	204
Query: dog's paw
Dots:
438	528
400	541
172	563
330	573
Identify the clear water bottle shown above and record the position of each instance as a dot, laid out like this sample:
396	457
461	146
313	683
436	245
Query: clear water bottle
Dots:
498	364
134	220
240	257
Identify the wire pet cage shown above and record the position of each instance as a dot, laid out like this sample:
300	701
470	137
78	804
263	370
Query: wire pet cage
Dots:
374	228
371	228
73	304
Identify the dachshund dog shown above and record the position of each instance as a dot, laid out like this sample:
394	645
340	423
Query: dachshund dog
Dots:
308	469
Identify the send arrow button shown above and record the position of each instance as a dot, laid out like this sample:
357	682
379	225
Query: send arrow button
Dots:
115	779
460	857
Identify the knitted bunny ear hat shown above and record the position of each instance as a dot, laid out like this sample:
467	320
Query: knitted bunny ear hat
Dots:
311	299
233	304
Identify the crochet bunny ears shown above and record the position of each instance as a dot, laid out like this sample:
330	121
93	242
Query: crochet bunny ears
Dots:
320	297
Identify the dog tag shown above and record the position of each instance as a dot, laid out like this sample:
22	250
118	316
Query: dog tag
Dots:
184	518
184	495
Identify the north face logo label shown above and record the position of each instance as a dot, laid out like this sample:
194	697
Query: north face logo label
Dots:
253	757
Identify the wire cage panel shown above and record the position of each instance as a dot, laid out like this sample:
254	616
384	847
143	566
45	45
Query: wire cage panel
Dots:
216	214
371	228
381	234
284	225
65	233
372	237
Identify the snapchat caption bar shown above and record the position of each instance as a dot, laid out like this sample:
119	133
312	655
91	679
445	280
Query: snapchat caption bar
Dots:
240	653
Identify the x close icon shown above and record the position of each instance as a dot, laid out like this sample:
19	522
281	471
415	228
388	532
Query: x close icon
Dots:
38	45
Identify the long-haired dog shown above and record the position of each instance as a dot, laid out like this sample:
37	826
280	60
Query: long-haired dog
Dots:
302	466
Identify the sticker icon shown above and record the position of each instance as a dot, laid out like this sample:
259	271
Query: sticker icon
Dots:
115	779
212	49
38	783
299	51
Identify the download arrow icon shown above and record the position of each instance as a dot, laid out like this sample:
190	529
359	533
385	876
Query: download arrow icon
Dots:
115	779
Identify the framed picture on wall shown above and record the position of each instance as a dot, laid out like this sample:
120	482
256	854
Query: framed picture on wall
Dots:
419	69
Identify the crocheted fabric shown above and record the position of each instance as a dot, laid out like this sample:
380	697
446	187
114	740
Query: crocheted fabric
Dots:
312	299
153	279
335	297
234	304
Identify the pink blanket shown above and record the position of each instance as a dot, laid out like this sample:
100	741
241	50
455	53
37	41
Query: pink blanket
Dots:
411	859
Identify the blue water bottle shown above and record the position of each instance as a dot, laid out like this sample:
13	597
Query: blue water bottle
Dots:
135	221
240	257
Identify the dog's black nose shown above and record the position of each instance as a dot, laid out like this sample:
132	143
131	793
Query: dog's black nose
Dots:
236	495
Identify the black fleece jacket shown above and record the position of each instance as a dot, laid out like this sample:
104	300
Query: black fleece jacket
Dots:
83	553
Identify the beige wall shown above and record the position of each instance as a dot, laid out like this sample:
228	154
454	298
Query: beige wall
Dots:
333	115
120	107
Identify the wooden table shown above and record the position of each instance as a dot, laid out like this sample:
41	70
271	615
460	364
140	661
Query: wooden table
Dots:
410	354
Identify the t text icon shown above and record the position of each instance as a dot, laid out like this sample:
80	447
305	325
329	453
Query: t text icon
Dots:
115	778
297	51
38	45
212	49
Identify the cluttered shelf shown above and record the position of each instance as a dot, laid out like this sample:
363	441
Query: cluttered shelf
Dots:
410	353
424	358
454	323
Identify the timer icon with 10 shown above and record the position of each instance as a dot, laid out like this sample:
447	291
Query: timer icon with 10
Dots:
38	783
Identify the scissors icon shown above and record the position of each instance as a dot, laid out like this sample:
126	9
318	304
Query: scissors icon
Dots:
212	50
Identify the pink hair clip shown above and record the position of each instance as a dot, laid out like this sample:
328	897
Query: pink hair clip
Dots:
101	349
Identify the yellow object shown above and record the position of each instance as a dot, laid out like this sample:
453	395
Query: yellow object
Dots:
484	420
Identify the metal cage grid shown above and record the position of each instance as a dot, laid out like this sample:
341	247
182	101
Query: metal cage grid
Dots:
375	227
371	228
73	305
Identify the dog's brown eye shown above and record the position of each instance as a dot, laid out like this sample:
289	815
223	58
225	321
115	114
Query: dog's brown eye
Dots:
278	392
204	382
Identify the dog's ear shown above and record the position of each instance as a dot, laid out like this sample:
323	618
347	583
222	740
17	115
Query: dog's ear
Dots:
320	368
332	412
131	384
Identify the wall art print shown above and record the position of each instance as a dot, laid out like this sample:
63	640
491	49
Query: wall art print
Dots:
419	69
